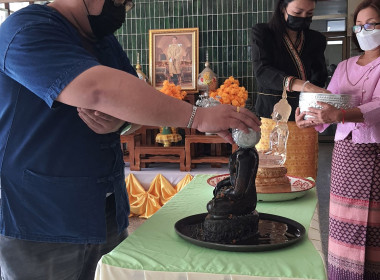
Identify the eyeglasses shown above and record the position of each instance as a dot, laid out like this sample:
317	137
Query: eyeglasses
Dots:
368	27
127	3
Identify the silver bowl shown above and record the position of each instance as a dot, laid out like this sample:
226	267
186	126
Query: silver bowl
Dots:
246	140
340	101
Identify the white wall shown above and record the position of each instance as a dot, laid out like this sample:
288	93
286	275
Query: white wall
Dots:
3	15
13	8
351	6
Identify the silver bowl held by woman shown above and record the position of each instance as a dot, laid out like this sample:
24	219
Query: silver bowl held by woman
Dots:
340	101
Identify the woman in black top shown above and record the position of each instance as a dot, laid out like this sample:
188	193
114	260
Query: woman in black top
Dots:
286	53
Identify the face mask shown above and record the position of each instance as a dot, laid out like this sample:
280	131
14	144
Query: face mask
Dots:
368	40
298	23
110	19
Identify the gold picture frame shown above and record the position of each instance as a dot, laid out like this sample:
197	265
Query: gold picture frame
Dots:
174	56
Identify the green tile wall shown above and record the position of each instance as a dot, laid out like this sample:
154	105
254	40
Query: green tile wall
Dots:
224	32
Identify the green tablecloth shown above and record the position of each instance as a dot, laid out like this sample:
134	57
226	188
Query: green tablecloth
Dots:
156	247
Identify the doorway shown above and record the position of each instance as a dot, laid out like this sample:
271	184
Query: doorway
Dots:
336	51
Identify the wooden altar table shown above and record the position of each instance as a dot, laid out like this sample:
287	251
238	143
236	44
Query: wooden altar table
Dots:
128	145
160	154
192	159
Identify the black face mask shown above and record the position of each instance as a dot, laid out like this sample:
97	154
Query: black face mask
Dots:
298	23
110	19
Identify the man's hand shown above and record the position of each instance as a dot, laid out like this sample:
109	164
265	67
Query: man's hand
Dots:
99	122
219	119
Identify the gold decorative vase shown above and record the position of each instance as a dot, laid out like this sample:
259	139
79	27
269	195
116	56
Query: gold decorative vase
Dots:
167	136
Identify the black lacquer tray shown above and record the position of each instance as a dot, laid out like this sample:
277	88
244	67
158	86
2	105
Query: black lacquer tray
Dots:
275	232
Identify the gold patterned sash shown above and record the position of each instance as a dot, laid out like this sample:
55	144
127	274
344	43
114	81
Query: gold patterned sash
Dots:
294	53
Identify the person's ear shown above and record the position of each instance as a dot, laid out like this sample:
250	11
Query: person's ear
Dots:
284	13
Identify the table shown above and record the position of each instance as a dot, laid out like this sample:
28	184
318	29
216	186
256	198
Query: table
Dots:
159	154
155	252
205	139
128	145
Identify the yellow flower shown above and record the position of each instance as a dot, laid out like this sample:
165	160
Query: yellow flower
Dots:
231	93
173	90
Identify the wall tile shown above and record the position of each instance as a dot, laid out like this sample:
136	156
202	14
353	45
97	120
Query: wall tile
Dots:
224	32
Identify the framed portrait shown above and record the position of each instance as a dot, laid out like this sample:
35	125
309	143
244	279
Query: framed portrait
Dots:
173	56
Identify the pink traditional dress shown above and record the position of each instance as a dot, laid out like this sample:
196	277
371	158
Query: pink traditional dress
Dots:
354	237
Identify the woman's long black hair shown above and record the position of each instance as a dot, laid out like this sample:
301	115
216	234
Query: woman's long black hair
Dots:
277	23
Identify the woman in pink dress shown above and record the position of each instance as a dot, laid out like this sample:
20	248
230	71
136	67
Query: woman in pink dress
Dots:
354	233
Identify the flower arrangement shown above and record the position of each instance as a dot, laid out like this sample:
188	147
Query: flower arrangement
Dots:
173	90
231	93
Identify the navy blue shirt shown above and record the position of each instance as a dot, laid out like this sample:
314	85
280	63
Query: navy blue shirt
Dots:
55	171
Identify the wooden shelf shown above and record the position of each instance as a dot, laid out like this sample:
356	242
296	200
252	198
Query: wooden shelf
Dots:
192	158
210	159
198	148
128	146
151	154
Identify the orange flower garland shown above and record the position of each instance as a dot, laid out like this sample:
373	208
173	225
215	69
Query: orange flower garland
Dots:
231	93
173	90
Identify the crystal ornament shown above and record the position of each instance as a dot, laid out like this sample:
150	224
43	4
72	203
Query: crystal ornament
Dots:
278	137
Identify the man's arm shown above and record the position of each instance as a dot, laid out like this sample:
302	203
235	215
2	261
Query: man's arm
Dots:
128	98
125	97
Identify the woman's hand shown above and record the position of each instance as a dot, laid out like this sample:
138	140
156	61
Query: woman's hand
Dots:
99	122
327	114
219	119
302	86
301	122
309	87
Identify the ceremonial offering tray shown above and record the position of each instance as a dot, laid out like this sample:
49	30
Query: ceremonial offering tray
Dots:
274	232
299	187
340	101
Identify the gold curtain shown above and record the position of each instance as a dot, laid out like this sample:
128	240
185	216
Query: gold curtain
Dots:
145	203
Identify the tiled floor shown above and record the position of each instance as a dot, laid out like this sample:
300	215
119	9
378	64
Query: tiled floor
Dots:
323	189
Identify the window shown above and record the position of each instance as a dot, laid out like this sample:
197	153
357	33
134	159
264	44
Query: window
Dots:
336	25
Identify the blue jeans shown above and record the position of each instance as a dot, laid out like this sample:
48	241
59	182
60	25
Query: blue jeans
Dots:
29	260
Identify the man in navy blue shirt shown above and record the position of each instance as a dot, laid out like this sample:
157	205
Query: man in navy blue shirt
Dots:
66	88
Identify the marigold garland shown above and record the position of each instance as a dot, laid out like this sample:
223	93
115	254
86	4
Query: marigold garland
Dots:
231	93
173	90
